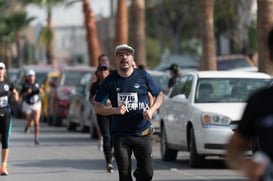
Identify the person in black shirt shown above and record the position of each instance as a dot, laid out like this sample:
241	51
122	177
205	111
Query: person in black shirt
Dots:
255	130
174	72
104	122
6	89
32	104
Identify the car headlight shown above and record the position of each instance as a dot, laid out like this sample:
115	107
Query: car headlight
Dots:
215	119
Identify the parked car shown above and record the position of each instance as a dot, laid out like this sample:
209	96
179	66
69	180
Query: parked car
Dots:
60	93
229	62
81	113
13	74
185	62
161	79
50	79
203	111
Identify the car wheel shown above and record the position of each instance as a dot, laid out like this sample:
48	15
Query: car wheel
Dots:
195	159
83	119
57	121
167	154
69	124
50	118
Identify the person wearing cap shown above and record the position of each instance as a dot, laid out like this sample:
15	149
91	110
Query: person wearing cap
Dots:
127	88
104	122
6	89
174	72
102	60
32	103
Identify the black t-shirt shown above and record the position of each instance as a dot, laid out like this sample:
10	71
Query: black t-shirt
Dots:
94	88
172	81
34	96
257	120
5	89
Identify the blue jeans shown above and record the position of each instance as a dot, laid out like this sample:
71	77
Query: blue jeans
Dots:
141	146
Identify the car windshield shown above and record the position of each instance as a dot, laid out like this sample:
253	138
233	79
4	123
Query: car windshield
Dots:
71	78
227	89
40	76
232	64
162	81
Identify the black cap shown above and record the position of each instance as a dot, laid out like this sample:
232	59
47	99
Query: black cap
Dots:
173	67
103	67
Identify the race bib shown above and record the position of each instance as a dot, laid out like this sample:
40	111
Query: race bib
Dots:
34	99
4	101
129	99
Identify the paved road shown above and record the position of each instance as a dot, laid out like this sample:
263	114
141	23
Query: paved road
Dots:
72	156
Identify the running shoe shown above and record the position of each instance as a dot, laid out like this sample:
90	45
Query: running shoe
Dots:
26	130
136	172
4	171
109	168
36	141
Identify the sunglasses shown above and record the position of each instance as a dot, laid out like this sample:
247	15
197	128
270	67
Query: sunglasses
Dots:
1	68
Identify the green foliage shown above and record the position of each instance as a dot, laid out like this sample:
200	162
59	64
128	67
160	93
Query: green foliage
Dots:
225	15
252	37
171	18
46	37
153	52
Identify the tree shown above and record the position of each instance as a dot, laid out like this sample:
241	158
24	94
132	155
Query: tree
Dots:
208	60
16	22
138	31
91	33
121	23
48	31
264	25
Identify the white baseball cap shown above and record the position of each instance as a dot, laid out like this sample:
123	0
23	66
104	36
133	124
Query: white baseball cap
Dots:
124	46
30	72
2	65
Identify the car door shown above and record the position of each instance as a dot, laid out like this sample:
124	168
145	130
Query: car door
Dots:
177	118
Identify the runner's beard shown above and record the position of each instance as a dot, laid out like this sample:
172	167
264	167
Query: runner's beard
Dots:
124	69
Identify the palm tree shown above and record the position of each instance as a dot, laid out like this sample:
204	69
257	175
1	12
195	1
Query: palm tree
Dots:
91	33
16	22
48	31
121	23
264	25
138	30
208	60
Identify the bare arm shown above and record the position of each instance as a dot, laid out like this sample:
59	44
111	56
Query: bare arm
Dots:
147	114
236	149
15	94
236	159
105	109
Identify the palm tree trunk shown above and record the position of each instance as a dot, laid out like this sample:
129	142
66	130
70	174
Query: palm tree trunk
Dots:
264	25
18	47
138	30
208	60
91	34
49	46
121	23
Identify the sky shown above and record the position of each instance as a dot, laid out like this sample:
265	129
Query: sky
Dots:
69	15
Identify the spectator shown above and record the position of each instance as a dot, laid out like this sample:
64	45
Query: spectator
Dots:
174	72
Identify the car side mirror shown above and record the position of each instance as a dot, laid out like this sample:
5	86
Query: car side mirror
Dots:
180	98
